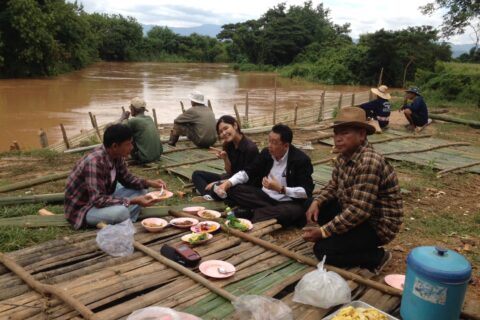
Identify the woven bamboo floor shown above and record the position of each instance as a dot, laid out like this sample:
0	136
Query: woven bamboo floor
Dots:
114	287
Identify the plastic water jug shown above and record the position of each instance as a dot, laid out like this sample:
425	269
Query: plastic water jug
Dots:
435	284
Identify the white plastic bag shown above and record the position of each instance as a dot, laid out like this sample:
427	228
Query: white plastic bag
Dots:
160	313
117	240
261	308
322	289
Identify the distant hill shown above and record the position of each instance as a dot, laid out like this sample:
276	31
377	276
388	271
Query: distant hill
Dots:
205	29
458	49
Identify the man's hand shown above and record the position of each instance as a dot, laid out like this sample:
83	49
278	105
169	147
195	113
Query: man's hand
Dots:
125	115
143	201
158	183
224	186
312	234
272	184
312	212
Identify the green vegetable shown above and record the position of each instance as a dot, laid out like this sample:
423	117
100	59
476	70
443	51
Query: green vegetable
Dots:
235	223
196	237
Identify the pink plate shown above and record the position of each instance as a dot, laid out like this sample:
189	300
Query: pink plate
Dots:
395	280
245	222
159	196
209	214
206	226
193	210
183	222
154	224
210	268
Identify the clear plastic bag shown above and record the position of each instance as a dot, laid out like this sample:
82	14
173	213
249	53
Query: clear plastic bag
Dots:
160	313
117	240
261	308
322	289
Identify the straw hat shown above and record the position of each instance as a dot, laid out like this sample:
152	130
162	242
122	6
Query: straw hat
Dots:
382	92
197	97
353	117
138	103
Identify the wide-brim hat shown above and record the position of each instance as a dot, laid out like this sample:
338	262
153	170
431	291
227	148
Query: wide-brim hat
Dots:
197	97
353	117
138	104
414	90
382	92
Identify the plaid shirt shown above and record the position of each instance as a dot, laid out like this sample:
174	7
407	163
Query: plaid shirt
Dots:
90	185
367	189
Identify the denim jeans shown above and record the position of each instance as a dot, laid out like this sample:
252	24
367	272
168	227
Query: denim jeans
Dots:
118	213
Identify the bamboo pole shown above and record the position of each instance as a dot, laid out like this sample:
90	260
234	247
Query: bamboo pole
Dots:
91	119
154	112
182	107
353	100
322	106
64	135
33	182
402	138
237	115
180	164
445	171
453	144
322	161
42	135
471	123
209	104
380	78
97	130
340	101
44	198
295	117
46	289
275	102
246	107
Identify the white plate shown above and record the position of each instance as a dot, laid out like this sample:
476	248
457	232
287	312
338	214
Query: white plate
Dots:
215	214
210	268
187	237
245	222
193	210
154	224
178	222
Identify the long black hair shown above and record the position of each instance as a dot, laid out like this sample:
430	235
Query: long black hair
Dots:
229	120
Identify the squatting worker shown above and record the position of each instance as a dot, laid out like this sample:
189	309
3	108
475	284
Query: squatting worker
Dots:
360	209
197	123
101	189
146	140
416	111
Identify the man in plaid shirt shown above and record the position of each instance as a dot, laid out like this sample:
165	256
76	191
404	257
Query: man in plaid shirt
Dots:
92	194
361	207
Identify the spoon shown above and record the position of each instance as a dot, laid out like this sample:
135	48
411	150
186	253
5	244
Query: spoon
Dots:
223	271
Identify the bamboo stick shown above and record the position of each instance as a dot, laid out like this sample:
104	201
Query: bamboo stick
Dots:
64	135
296	115
445	171
154	112
275	102
181	164
34	182
46	289
209	104
340	101
453	144
182	107
246	107
353	100
323	161
42	135
380	78
44	198
237	115
402	138
472	123
322	106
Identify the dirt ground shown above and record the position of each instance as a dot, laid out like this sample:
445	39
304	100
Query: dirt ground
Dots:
444	212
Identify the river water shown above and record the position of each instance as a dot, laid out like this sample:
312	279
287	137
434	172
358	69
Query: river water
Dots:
26	105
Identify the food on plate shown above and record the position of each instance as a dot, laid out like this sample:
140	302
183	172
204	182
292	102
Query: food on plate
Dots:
234	222
198	237
206	227
351	313
182	223
208	214
153	225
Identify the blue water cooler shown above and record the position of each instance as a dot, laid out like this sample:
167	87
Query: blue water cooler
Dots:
435	284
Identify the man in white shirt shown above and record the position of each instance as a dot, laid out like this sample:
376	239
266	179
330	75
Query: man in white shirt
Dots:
276	185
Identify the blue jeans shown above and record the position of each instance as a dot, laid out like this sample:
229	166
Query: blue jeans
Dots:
118	213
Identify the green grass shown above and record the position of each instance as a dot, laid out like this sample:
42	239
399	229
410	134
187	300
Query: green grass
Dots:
15	238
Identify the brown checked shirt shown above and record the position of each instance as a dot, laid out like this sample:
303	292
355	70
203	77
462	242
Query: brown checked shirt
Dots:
367	189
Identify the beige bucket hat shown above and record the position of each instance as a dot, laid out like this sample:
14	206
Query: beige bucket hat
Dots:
353	117
382	92
197	97
138	103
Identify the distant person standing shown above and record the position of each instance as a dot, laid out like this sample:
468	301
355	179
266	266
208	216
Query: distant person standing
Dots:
379	109
146	140
416	112
197	123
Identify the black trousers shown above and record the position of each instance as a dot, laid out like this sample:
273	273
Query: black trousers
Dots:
357	247
201	179
262	207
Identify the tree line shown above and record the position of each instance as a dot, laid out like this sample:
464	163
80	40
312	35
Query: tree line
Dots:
48	37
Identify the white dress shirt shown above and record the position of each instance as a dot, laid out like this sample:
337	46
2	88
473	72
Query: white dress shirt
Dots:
279	171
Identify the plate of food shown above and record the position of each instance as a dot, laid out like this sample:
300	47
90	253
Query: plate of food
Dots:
193	210
209	214
197	238
217	268
159	195
183	222
206	226
359	310
154	224
239	223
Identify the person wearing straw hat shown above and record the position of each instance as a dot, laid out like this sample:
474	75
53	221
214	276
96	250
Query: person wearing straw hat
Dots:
379	109
360	209
147	146
416	112
197	123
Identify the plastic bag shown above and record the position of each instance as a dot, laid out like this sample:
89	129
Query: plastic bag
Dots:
322	289
117	240
261	308
160	313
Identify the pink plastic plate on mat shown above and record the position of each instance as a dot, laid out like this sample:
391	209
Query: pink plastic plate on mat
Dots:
395	280
210	268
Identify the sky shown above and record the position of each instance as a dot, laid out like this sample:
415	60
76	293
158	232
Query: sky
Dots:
363	16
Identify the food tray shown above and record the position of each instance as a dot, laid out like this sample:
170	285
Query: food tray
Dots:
358	304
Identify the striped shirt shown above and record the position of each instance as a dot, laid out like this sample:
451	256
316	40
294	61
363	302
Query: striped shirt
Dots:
367	189
92	183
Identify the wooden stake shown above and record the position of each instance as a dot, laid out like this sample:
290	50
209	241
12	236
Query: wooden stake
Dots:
275	102
123	109
43	138
380	78
64	134
237	115
340	101
155	118
92	120
353	99
246	107
181	106
295	117
209	105
322	106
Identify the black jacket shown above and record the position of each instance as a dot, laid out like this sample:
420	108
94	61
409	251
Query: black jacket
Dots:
299	169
